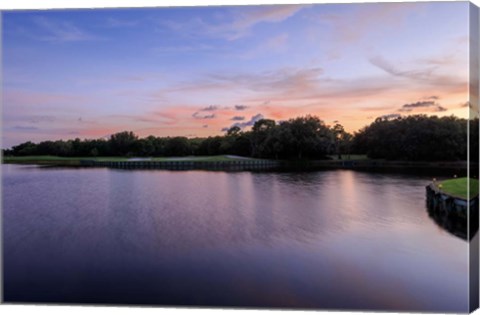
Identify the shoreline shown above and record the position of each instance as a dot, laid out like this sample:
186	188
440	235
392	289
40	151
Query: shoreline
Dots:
228	163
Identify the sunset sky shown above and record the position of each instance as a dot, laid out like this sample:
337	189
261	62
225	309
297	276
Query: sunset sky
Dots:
196	71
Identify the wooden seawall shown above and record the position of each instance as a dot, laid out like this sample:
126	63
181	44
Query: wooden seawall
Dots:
457	215
185	165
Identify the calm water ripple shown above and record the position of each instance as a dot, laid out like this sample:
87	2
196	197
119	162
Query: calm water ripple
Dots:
335	239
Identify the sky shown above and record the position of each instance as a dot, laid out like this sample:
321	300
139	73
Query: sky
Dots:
198	71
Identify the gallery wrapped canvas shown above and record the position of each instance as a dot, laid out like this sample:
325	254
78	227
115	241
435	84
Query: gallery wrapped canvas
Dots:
303	156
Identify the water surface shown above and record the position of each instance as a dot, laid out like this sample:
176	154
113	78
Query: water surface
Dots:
337	239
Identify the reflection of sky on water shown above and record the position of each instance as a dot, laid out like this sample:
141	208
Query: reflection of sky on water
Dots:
333	239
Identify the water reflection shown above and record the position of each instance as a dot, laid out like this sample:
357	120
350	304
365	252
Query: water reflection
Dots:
334	239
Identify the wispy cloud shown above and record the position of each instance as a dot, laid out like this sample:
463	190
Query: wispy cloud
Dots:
37	119
62	31
237	118
242	21
417	73
364	20
112	22
441	60
266	14
267	80
24	128
390	68
178	49
375	108
275	44
36	104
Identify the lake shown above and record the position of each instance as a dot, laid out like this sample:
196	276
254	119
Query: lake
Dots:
333	239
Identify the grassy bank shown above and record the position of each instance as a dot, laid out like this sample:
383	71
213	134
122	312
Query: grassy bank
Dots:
458	187
54	160
41	160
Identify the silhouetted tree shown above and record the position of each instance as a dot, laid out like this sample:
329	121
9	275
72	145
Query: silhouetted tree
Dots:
414	138
260	132
123	143
178	146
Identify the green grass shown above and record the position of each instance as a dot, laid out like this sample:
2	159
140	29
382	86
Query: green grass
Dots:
105	158
53	158
458	187
41	160
37	158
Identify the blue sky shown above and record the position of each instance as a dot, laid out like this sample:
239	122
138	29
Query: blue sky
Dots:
195	71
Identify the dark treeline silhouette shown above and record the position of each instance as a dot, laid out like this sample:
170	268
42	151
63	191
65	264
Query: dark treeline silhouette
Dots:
417	137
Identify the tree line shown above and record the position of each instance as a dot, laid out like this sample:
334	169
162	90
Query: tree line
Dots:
418	137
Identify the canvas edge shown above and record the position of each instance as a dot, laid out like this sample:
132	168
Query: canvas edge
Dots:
473	157
1	157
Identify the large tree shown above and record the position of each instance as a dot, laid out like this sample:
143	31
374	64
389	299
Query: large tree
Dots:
307	137
124	143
